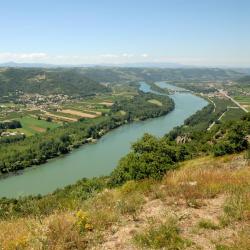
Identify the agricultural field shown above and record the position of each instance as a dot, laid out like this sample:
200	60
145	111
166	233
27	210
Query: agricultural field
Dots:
244	101
233	113
32	125
38	113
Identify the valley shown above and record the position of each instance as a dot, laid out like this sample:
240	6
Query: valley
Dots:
141	164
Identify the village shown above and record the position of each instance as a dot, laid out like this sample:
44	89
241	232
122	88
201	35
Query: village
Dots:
37	113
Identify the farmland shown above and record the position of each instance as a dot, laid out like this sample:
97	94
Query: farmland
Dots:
244	101
39	113
32	125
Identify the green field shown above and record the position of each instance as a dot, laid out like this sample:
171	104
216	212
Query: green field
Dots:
233	114
91	105
243	100
32	125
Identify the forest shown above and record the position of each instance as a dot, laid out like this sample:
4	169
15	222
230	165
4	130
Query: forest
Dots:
123	74
12	124
70	82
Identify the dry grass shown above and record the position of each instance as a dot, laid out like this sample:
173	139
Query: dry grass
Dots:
239	241
206	178
15	234
156	102
62	233
60	118
108	104
195	193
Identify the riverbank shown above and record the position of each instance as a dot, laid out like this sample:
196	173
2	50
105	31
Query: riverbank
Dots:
100	158
38	149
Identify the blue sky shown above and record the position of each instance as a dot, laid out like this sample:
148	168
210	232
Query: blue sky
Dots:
196	32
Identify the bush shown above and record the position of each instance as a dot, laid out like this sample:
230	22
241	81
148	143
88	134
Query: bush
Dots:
164	236
207	224
150	158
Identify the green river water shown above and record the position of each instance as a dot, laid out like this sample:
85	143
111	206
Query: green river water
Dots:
99	158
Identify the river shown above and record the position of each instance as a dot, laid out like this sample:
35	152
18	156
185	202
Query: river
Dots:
99	158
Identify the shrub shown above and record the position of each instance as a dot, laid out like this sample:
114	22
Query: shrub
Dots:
150	158
207	224
161	236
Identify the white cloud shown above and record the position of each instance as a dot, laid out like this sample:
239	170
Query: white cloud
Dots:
118	58
109	56
22	56
127	55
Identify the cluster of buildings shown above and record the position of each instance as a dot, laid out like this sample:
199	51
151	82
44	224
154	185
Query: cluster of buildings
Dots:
218	94
37	100
7	134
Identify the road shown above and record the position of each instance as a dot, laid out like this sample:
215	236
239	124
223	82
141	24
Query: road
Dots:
218	120
213	103
229	97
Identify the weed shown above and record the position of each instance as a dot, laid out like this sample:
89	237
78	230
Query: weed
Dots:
166	235
208	224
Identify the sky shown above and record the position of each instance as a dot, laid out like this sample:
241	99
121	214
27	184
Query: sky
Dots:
189	32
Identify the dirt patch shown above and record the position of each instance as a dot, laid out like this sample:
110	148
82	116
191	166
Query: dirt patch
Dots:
188	219
78	113
246	106
107	103
61	118
38	129
156	102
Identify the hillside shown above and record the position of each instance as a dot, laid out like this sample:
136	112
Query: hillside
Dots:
119	74
202	205
244	80
86	81
47	82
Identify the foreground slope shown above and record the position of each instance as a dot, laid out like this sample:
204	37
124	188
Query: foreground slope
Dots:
204	204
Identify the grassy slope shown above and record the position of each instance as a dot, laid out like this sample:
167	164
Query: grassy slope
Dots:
202	205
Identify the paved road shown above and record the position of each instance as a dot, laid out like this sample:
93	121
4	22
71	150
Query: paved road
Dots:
223	93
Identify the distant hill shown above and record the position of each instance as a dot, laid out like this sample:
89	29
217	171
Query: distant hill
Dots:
125	65
48	81
85	81
121	74
244	80
27	65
